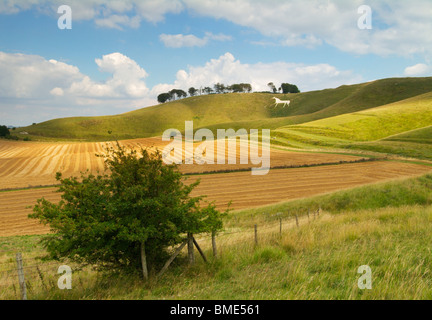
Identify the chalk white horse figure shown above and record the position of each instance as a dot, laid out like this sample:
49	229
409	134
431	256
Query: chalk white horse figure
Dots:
284	102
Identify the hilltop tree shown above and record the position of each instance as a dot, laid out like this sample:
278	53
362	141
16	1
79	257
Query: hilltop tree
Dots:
192	91
219	88
4	131
208	90
163	97
177	93
246	87
289	88
126	220
240	87
272	87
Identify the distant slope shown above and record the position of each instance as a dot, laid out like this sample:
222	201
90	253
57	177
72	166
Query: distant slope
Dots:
356	98
423	135
254	110
402	128
373	124
153	121
415	144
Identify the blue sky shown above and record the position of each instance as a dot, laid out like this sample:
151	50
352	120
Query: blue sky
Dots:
119	55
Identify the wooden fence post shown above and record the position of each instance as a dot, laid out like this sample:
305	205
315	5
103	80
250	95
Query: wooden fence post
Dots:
256	235
190	243
21	278
297	222
214	244
280	227
199	250
308	213
171	259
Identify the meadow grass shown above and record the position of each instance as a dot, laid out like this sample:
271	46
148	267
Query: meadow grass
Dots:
318	260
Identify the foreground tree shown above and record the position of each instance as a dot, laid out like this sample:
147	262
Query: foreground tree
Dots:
126	220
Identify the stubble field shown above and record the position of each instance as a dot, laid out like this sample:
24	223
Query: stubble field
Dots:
33	164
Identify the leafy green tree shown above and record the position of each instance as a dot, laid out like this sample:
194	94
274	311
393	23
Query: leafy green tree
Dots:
4	131
219	88
246	87
192	91
177	93
289	88
208	90
272	87
163	97
126	220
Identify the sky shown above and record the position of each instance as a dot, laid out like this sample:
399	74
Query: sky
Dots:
105	57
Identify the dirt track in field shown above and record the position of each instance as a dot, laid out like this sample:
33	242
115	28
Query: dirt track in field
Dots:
242	188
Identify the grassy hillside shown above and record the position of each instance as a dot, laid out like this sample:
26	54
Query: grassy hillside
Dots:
254	110
403	128
373	124
153	121
387	226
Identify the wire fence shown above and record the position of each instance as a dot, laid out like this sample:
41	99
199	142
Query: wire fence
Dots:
39	273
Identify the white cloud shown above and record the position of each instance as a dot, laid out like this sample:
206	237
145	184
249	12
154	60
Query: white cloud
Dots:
180	40
33	89
59	92
190	40
117	21
420	69
33	77
226	69
127	79
399	27
105	13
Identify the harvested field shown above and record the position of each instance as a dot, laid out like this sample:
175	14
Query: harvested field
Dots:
242	188
30	164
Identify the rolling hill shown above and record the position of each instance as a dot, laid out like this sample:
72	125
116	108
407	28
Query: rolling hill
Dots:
253	110
402	127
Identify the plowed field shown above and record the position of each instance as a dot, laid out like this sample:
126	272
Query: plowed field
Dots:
242	188
34	164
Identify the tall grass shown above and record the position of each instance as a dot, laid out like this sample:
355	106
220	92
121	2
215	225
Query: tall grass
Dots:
318	260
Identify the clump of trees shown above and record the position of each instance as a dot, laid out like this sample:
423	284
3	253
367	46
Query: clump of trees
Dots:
218	88
289	88
171	95
284	88
125	220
